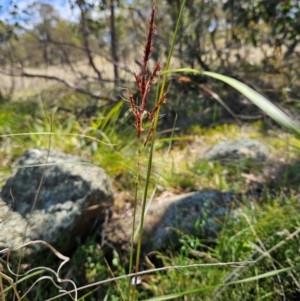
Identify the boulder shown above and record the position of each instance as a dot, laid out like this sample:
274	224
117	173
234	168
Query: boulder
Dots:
238	149
52	197
200	213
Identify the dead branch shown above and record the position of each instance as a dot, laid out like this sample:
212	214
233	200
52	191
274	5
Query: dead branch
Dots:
119	65
61	80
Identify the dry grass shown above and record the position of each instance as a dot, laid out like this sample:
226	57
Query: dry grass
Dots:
24	86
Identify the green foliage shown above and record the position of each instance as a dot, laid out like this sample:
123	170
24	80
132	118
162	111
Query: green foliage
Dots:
282	17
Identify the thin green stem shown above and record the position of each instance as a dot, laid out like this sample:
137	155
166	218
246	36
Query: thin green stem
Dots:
134	218
149	168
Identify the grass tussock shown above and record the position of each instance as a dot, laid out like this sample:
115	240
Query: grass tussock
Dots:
254	257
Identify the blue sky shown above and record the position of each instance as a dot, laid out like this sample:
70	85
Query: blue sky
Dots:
62	6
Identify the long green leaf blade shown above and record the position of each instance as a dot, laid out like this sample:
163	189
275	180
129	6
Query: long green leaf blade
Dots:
263	103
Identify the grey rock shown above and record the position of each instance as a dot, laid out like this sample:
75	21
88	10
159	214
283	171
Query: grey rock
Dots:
13	227
57	200
238	149
201	213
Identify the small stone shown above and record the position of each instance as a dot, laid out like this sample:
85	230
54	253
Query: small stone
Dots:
238	149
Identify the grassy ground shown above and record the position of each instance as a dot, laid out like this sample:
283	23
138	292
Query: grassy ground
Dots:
266	232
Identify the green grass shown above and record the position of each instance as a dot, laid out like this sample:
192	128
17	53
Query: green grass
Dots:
267	220
239	241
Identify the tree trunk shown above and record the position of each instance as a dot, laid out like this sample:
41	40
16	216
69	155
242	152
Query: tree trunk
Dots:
113	37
